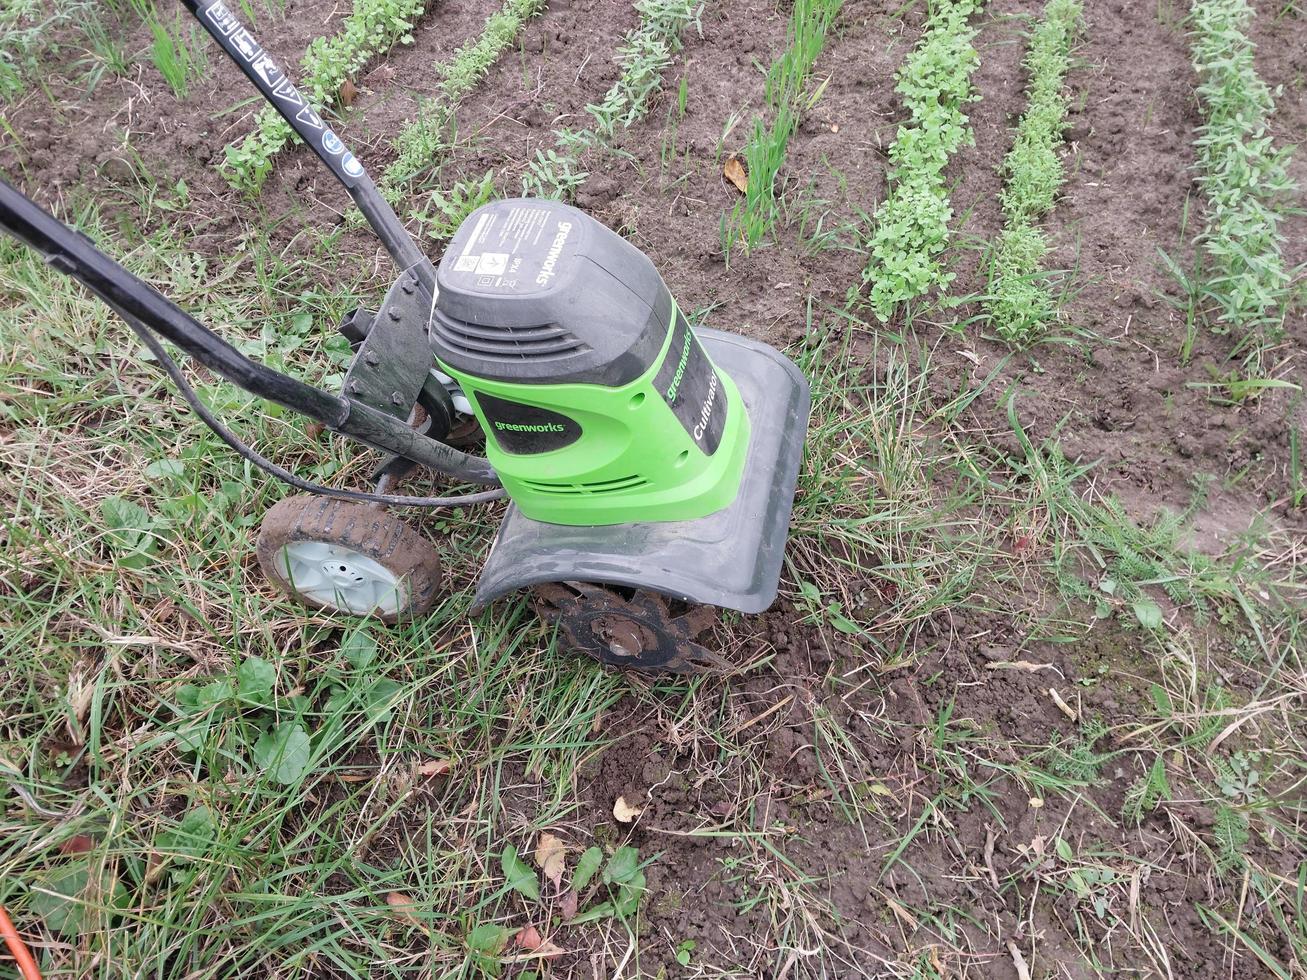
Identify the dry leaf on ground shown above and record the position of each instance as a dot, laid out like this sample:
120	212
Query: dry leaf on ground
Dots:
530	940
434	767
567	905
624	812
735	171
550	854
403	906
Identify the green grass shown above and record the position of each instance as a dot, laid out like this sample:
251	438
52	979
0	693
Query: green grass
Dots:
911	225
371	29
26	31
787	96
178	55
127	526
1243	176
423	142
1020	305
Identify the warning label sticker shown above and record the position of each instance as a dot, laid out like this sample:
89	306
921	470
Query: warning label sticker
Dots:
518	249
493	264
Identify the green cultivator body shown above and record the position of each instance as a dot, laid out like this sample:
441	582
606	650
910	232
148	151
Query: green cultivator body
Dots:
598	402
650	469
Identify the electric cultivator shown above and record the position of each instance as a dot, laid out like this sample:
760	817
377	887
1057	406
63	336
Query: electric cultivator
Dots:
649	467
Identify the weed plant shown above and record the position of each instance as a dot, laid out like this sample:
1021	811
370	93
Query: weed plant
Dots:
446	209
176	59
1243	176
26	27
371	29
787	98
643	56
912	222
645	53
424	140
1020	304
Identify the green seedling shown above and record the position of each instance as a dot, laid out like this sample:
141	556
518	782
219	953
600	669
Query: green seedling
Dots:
103	53
622	884
176	58
552	174
644	55
825	612
911	225
239	713
1144	796
485	943
1244	177
1230	834
1019	303
446	210
424	141
1239	389
27	29
371	29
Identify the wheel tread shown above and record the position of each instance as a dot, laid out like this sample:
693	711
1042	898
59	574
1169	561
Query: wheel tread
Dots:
364	528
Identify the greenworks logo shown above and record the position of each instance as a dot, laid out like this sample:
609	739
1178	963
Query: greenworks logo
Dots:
675	386
515	427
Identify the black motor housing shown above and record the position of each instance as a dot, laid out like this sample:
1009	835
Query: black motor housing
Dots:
534	291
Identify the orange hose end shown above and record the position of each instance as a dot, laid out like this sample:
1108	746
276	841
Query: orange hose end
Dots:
27	968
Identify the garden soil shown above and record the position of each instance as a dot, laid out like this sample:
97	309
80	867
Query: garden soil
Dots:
1119	396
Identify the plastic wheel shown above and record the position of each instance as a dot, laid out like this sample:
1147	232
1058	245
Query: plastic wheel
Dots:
348	557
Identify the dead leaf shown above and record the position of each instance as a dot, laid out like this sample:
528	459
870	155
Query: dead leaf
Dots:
355	777
623	812
434	767
403	906
549	950
348	93
908	918
550	854
77	844
567	905
735	171
530	940
990	840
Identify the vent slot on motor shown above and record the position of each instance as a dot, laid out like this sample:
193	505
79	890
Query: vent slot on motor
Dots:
589	489
546	341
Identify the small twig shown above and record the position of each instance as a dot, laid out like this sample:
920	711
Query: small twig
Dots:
1018	961
1065	708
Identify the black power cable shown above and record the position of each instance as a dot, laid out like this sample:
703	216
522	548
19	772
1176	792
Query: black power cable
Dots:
268	466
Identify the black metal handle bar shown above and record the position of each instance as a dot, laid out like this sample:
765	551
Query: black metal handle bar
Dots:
73	254
239	45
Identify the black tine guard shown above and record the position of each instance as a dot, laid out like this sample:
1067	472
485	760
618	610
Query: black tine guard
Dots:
731	558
